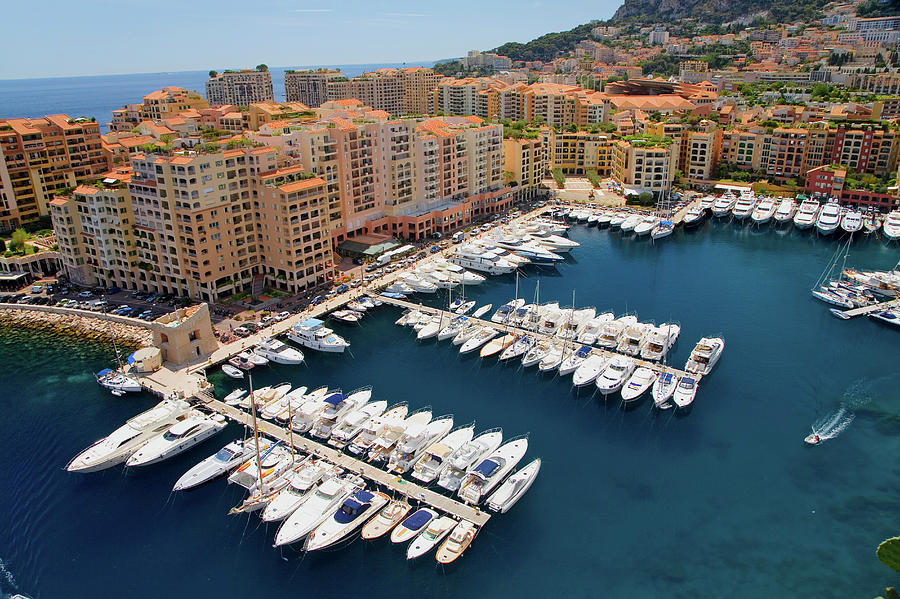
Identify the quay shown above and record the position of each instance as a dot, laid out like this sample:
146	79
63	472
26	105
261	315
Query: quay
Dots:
871	308
395	483
503	328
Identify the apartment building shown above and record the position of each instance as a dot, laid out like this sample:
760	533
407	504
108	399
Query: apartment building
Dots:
40	156
309	87
525	164
700	152
260	113
644	166
477	96
579	152
156	106
240	88
396	91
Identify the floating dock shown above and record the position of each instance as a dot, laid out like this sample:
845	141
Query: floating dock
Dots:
871	308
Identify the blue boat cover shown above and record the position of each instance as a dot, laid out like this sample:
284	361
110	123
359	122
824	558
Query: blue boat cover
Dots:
667	377
130	359
521	310
584	350
487	468
667	222
270	450
418	519
363	496
104	372
311	323
687	380
335	398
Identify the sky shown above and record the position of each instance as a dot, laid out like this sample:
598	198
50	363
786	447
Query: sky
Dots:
99	37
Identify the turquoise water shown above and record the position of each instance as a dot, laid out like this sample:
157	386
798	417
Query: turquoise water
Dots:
725	500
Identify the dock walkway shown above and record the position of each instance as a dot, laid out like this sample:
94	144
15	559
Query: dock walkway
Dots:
872	308
395	483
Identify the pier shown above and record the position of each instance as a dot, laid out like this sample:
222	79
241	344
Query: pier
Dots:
872	308
397	484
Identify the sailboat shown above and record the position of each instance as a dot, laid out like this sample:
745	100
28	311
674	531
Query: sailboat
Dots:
117	381
829	290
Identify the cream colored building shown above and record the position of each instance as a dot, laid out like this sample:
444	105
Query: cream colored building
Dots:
240	88
644	166
185	335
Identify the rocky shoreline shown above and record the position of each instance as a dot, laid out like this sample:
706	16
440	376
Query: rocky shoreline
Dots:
75	325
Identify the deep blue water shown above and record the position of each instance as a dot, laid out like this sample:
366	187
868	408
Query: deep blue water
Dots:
725	500
97	96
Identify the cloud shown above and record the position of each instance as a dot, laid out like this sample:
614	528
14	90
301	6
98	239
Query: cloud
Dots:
404	14
313	10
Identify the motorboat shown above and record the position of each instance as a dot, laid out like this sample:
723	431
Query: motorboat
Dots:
707	202
393	433
613	330
275	459
705	355
518	348
453	328
432	327
829	218
308	413
628	225
554	243
575	322
313	334
744	207
346	316
266	490
354	422
663	229
362	442
646	225
553	358
313	511
616	221
399	287
418	284
574	360
349	517
615	374
592	328
357	307
638	384
660	341
724	205
253	358
764	211
603	219
233	372
503	313
497	345
235	397
787	208
477	258
693	217
458	541
415	440
461	460
339	405
481	337
467	332
891	226
465	307
218	464
588	371
489	472
482	310
663	388
180	437
292	403
265	396
118	446
806	214
428	539
633	338
286	403
514	488
301	486
685	391
118	382
413	525
275	351
429	464
891	317
852	221
386	519
551	319
459	274
536	354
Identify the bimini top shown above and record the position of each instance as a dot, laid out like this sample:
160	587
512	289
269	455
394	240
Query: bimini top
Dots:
335	398
104	372
487	467
667	377
583	351
312	323
419	519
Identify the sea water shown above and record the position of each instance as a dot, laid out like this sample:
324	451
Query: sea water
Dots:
723	500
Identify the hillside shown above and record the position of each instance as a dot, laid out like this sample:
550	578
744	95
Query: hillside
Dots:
548	46
715	11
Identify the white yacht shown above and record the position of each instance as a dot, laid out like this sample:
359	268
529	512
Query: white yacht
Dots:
663	229
537	353
292	402
313	333
663	388
307	414
428	539
588	371
118	446
829	218
633	338
216	465
339	405
764	211
660	341
482	479
592	328
891	227
497	345
574	323
466	332
786	210
232	371
481	337
391	435
638	384
553	357
415	441
180	437
852	221
363	440
459	274
612	331
685	391
453	328
349	517
554	243
724	205
574	359
289	401
418	283
432	327
353	423
477	258
806	215
514	488
744	206
301	486
386	519
458	463
413	525
646	225
518	348
118	382
630	223
275	459
399	287
705	355
693	217
313	511
275	351
504	312
616	221
429	465
615	374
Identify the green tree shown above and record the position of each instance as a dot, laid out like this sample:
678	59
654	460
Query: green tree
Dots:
17	243
262	67
213	74
2	246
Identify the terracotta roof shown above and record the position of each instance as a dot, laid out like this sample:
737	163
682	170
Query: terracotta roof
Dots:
303	184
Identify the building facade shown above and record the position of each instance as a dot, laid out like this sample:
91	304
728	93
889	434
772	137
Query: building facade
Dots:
240	88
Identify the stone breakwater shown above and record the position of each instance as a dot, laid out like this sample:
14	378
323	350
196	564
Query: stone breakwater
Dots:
83	327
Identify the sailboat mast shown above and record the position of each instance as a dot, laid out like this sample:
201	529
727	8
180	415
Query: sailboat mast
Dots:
255	430
291	429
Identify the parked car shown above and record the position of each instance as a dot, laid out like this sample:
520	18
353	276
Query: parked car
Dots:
355	283
267	320
316	300
113	289
435	249
242	331
358	261
42	300
25	300
146	315
282	315
86	294
341	289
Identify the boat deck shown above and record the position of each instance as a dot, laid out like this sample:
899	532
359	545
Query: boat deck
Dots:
872	308
396	484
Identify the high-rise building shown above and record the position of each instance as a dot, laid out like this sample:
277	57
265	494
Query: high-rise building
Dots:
156	106
240	88
40	156
525	164
396	91
309	87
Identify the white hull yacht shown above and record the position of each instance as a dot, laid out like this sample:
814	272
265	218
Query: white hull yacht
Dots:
514	488
275	351
705	355
829	218
786	211
313	334
482	479
180	437
806	214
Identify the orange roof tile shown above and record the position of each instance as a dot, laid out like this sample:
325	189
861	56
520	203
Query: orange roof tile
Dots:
302	184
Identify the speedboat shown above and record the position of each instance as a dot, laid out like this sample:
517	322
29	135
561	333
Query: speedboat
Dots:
413	525
275	351
233	372
786	210
274	460
253	358
482	310
612	331
744	207
829	218
392	434
663	388
616	221
292	402
118	446
501	316
354	422
723	206
806	215
352	514
660	341
482	479
693	217
357	307
685	391
431	327
633	338
575	322
615	374
312	512
362	442
764	211
515	486
300	487
426	540
705	355
646	225
553	242
638	384
630	223
346	316
458	463
575	359
458	541
286	403
518	348
312	333
415	440
464	307
891	317
306	415
386	519
180	437
427	467
235	397
117	382
553	358
478	339
592	328
852	221
588	371
497	345
216	465
536	354
891	227
338	406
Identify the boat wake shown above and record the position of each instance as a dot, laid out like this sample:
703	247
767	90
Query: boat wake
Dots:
832	425
7	582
